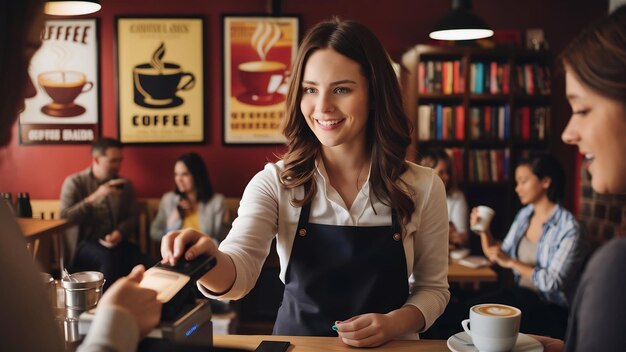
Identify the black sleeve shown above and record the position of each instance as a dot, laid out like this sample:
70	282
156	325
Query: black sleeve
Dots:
600	307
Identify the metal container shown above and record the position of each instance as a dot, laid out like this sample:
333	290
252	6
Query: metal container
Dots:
83	289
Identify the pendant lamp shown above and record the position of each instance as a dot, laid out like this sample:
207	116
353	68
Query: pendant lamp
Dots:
71	7
461	24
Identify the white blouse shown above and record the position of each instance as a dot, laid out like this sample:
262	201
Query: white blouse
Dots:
265	212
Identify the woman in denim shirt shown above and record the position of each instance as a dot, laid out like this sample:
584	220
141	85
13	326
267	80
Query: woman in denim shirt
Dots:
545	247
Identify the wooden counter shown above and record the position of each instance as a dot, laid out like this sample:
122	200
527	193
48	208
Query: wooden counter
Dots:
326	344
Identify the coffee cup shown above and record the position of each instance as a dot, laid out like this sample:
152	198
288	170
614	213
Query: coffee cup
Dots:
261	79
485	215
64	86
494	327
157	87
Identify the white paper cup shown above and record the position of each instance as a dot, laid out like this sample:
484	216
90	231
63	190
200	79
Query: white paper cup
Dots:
485	215
493	327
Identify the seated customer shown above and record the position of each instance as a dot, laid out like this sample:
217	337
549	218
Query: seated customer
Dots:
103	205
192	204
545	247
458	214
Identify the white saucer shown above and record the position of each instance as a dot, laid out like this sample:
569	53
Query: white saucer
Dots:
457	254
524	343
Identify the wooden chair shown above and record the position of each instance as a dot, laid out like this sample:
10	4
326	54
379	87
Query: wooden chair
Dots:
46	208
148	208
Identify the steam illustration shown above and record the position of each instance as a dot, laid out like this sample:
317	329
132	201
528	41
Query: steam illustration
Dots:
265	36
157	58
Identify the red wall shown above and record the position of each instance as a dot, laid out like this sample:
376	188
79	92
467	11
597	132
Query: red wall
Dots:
399	24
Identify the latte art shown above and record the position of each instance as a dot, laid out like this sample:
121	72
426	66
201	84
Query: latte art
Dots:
496	310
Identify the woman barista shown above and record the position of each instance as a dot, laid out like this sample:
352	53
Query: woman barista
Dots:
353	220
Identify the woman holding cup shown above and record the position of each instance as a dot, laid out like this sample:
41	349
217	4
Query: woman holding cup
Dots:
545	247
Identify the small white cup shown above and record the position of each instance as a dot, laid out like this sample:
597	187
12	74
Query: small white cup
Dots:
485	215
494	327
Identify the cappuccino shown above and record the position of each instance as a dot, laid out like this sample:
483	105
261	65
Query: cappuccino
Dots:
494	327
496	310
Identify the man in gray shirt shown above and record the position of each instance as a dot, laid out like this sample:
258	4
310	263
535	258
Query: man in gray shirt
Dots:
103	205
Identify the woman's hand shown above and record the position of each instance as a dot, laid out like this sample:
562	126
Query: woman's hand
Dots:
367	330
371	330
173	245
184	204
495	254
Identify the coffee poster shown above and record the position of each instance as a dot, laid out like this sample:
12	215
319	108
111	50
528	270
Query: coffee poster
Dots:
65	109
257	61
160	80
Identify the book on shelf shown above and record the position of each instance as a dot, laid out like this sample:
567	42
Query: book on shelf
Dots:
489	77
488	165
440	77
532	123
440	122
489	122
533	79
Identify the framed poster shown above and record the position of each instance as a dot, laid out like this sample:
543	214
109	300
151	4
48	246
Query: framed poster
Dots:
160	79
66	108
258	51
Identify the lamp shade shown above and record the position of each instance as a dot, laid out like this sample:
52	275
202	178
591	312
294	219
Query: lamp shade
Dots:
461	24
71	7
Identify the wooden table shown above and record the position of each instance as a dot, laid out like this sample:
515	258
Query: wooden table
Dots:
330	344
458	273
35	229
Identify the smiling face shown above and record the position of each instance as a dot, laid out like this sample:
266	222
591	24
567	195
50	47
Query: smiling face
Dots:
529	188
183	178
598	128
335	100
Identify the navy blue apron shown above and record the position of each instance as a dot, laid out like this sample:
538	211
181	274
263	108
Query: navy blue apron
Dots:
337	272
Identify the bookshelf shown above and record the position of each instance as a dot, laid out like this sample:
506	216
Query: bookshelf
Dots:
487	108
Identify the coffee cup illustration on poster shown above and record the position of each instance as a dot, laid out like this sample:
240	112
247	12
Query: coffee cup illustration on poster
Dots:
160	80
65	73
257	60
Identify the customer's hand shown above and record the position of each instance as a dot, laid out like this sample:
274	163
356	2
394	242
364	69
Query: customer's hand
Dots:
114	238
173	245
493	252
549	344
103	191
140	302
457	238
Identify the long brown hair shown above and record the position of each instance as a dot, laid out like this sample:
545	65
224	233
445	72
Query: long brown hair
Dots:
388	128
597	56
16	19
